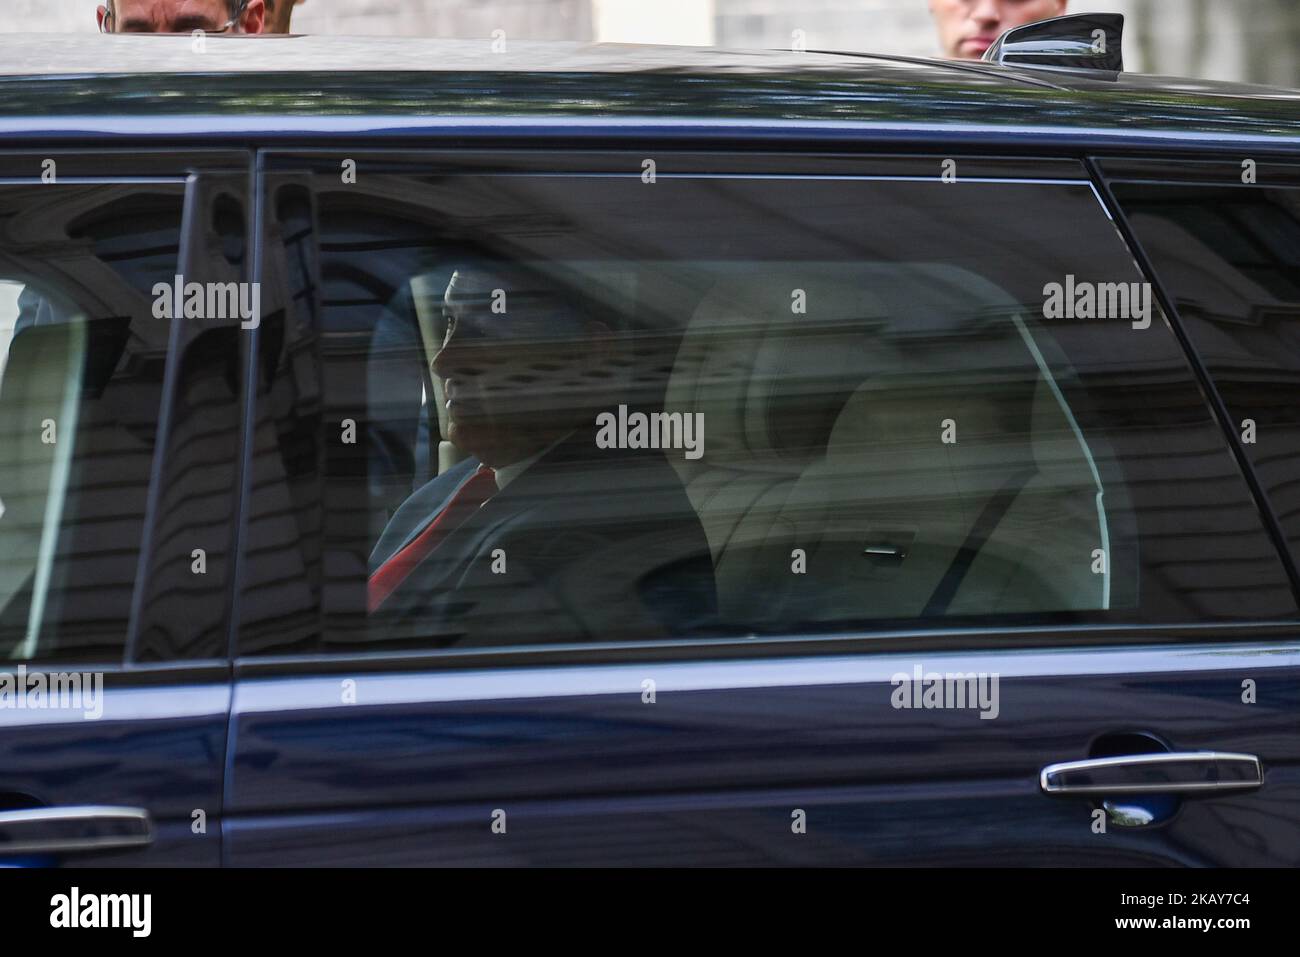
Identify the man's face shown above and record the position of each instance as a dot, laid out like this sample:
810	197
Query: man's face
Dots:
513	365
179	16
968	27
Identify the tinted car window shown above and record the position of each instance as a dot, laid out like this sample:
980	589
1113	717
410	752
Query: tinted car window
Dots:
717	406
1230	258
80	384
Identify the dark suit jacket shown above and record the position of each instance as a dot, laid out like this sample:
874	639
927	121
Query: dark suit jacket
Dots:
587	544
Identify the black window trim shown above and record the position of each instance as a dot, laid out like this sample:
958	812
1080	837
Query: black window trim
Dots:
962	640
1209	391
157	467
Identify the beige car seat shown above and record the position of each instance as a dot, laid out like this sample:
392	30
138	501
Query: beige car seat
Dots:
824	448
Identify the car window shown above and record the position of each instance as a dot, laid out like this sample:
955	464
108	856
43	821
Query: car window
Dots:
81	360
574	410
1230	258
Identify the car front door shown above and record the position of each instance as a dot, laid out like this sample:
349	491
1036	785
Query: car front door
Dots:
118	477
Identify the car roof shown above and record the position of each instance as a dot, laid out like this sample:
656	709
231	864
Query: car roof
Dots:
153	84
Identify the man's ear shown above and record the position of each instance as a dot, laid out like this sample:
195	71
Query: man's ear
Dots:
600	346
254	18
600	335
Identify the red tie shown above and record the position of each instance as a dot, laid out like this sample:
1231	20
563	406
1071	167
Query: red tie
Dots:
478	488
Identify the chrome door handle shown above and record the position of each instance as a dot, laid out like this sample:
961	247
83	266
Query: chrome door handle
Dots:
43	830
1184	772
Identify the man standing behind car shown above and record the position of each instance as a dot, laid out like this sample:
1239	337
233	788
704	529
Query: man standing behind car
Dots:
182	16
278	14
968	27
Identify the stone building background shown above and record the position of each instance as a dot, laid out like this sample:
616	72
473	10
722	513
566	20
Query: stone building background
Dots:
1248	40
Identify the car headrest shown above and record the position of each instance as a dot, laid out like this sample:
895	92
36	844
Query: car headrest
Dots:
770	360
44	363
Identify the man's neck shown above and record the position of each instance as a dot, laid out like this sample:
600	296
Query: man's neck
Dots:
505	474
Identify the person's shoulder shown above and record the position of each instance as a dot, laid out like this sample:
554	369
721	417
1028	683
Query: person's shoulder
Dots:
443	484
413	514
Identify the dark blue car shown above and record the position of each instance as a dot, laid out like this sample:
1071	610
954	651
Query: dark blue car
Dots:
413	454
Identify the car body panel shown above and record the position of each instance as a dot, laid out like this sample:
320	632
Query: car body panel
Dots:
590	772
159	745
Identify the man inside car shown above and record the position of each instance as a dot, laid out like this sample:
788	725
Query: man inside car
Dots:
541	535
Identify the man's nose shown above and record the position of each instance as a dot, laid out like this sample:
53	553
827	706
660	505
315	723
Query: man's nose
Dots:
445	361
987	11
462	357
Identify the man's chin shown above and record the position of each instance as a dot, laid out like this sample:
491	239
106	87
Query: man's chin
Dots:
467	439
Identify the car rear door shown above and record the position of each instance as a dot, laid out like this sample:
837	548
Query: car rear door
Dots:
992	585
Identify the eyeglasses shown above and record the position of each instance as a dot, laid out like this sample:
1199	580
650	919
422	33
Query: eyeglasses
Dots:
224	28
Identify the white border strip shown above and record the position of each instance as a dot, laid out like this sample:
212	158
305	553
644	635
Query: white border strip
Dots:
303	692
523	125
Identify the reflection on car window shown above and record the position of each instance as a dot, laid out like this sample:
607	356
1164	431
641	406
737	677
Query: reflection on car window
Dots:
1231	260
80	382
587	411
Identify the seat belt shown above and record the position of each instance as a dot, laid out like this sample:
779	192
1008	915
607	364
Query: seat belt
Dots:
992	514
